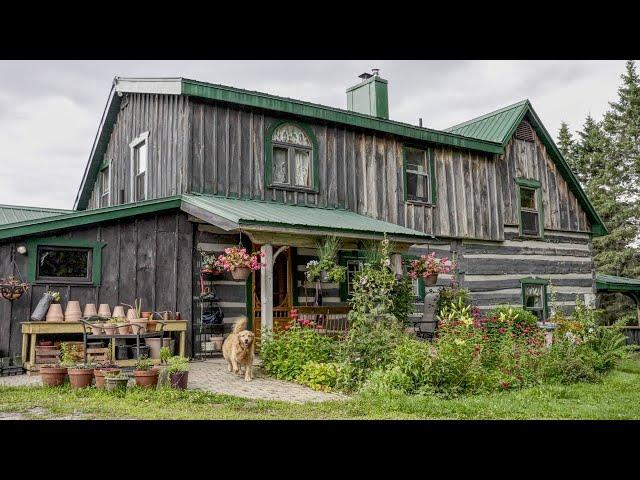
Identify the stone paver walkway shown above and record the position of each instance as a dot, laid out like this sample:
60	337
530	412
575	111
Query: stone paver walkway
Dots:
212	376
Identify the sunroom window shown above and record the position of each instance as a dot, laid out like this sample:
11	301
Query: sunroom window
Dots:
291	157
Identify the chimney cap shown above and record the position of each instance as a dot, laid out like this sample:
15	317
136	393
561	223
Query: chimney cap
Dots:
365	76
376	71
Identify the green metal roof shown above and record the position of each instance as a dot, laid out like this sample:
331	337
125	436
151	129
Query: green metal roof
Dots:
495	126
251	213
18	213
228	213
611	283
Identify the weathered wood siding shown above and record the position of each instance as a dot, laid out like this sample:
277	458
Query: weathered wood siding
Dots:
166	119
148	257
531	160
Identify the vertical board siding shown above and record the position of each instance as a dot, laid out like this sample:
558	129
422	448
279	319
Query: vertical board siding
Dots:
148	257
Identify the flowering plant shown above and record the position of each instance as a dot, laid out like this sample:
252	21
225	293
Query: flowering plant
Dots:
427	265
209	263
335	272
237	257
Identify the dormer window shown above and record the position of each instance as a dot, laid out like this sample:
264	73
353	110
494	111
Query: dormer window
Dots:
139	150
291	155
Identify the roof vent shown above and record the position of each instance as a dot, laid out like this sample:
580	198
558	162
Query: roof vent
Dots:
370	96
524	132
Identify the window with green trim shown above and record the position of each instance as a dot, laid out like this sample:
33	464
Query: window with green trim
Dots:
534	297
530	208
292	157
64	261
354	262
419	182
417	283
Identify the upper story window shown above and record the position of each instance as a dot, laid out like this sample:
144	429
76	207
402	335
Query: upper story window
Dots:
530	207
139	155
418	175
105	185
291	155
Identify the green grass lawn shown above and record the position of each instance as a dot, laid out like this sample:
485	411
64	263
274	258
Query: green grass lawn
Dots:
616	397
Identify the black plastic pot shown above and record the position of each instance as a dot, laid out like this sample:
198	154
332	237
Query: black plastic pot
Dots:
144	352
122	352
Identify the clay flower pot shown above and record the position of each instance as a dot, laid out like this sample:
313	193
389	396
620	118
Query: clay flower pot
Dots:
139	324
131	314
154	345
124	328
430	280
110	329
240	273
54	314
152	325
146	314
118	312
99	375
80	377
97	328
104	310
53	376
179	380
90	310
146	378
112	384
73	312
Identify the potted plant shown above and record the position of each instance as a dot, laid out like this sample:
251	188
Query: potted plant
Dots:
428	267
165	354
240	263
53	374
123	326
138	323
101	370
144	373
178	371
111	326
54	313
115	381
208	264
12	289
80	375
326	269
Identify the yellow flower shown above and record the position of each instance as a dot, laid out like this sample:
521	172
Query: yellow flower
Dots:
459	341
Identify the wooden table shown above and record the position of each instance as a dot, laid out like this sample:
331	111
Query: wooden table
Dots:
31	330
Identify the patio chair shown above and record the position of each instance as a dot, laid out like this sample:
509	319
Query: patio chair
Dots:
425	329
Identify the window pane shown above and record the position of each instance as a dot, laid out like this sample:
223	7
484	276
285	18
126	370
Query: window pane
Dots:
303	168
140	193
353	266
533	296
529	221
63	262
417	187
141	165
528	198
417	160
280	165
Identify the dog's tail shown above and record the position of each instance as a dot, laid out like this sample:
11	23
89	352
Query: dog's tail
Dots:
240	325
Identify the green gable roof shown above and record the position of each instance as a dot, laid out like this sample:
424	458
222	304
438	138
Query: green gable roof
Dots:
499	126
18	213
611	283
227	213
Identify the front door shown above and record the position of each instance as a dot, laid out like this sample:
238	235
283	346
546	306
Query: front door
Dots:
282	291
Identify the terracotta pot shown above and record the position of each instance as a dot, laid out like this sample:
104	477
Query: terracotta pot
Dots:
73	312
240	273
179	380
53	376
54	314
110	329
146	314
152	325
431	280
154	345
131	314
99	375
90	310
146	378
97	329
104	310
80	377
124	328
112	384
139	324
118	312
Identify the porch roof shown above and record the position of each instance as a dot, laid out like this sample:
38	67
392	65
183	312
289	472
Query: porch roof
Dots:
233	214
611	283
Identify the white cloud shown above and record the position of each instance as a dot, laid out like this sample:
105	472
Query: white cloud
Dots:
50	110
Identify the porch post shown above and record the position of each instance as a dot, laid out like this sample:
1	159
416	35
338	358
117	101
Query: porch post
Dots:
266	288
396	262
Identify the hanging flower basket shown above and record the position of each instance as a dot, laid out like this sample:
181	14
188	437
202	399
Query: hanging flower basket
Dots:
431	280
428	267
240	263
12	289
240	273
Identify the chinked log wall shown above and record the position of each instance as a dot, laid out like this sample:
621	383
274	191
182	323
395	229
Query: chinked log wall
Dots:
148	258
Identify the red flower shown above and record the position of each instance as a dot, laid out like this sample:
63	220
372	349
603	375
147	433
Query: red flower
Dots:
505	385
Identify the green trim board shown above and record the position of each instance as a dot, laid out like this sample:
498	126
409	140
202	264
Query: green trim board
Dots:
534	185
96	262
545	294
268	157
500	125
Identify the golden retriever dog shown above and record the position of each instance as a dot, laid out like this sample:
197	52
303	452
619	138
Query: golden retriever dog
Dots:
238	348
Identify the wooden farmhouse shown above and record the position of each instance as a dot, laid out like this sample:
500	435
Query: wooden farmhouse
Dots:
181	166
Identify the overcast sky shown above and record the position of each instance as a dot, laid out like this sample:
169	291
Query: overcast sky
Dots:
50	110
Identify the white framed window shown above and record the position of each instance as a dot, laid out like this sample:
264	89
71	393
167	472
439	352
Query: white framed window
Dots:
139	165
292	157
105	185
418	171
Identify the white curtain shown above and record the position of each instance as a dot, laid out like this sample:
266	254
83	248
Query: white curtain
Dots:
303	168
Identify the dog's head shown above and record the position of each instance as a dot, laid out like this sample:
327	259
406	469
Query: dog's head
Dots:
245	338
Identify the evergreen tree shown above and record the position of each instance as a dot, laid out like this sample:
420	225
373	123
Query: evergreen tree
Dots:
565	142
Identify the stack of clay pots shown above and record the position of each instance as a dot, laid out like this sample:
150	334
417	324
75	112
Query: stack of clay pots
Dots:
54	314
104	310
90	310
73	312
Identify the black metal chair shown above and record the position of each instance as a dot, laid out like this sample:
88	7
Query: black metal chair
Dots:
425	329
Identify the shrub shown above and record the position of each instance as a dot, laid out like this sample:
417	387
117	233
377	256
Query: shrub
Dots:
388	380
319	376
566	362
402	304
285	354
451	294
